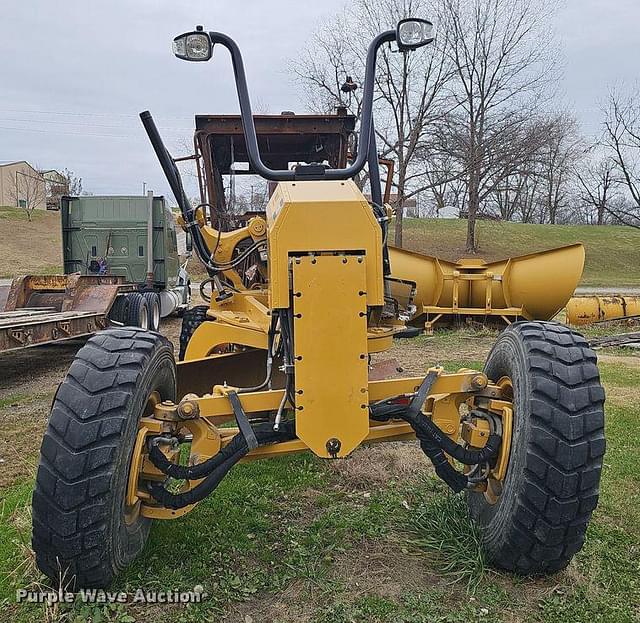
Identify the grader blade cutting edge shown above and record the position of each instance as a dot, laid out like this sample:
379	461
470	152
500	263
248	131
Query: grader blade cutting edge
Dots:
526	287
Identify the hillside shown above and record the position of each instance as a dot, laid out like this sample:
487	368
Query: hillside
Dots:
613	253
26	247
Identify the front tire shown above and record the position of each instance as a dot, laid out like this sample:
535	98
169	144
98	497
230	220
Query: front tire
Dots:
552	482
83	534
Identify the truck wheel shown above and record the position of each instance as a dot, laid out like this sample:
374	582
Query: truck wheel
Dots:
83	533
191	320
153	306
539	519
120	309
138	311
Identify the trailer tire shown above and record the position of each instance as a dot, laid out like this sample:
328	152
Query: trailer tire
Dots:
120	309
138	311
191	320
81	535
153	307
552	482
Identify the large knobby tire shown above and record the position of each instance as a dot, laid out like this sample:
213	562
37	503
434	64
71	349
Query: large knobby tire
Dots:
153	306
552	483
82	535
191	320
138	311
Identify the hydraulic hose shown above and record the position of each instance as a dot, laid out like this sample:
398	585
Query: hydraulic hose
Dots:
425	428
214	469
433	442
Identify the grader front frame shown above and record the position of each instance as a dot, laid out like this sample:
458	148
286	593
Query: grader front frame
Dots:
300	300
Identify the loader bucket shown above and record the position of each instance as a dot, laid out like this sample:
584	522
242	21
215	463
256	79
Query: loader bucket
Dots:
534	287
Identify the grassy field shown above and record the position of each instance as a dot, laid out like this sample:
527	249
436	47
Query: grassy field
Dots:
26	247
613	253
374	538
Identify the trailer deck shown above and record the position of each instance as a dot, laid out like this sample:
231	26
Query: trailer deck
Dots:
43	309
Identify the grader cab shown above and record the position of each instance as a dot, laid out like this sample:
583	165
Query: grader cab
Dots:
301	300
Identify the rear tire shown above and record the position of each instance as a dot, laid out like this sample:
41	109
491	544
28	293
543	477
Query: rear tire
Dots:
552	483
138	311
153	306
191	320
80	536
120	309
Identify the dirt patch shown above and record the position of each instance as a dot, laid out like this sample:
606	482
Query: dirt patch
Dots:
622	396
297	603
377	465
383	569
38	369
20	438
628	360
416	355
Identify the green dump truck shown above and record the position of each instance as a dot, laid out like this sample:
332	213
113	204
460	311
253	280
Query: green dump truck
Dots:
110	275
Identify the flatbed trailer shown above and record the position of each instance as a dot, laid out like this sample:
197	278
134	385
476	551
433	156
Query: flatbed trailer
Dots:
41	309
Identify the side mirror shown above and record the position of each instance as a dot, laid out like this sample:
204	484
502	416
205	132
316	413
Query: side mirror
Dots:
413	33
193	46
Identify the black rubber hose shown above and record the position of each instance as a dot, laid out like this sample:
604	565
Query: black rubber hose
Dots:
197	494
424	427
264	434
195	472
467	457
457	481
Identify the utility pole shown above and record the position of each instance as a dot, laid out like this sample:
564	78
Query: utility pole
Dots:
144	188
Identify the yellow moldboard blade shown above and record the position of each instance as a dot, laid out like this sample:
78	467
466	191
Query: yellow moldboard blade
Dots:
539	283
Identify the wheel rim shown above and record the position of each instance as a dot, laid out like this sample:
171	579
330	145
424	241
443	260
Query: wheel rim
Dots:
143	317
132	501
495	481
156	315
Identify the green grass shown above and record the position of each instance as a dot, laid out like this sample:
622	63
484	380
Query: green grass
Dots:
20	214
282	531
13	400
612	252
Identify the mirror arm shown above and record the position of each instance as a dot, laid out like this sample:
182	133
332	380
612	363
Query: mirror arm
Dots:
249	127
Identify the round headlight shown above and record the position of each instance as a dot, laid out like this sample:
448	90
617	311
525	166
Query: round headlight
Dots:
198	46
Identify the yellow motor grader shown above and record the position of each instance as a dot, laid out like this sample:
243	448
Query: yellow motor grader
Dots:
301	298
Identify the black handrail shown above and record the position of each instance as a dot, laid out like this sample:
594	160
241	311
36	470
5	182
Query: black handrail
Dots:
249	127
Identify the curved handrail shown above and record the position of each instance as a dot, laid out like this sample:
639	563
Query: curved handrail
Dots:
312	172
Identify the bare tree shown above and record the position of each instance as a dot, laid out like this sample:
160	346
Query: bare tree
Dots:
597	182
72	183
27	190
502	58
622	138
409	86
562	149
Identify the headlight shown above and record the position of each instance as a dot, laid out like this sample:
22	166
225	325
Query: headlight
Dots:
413	33
198	47
193	46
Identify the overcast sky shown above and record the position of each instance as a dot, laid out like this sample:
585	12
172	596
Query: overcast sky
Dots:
74	74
